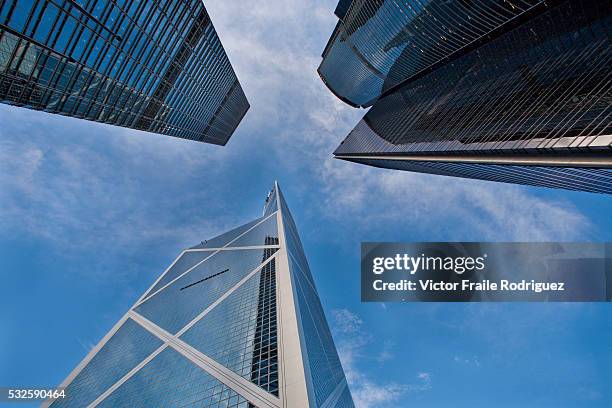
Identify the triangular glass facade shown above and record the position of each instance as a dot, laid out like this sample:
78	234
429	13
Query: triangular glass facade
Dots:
129	346
193	292
241	332
234	322
227	237
189	386
185	262
262	234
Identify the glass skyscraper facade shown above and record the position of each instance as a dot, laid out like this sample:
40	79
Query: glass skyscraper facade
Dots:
515	91
235	321
156	66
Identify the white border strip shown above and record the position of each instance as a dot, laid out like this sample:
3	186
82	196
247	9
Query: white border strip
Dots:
292	387
231	248
333	398
557	160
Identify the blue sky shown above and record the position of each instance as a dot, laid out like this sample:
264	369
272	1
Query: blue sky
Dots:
91	214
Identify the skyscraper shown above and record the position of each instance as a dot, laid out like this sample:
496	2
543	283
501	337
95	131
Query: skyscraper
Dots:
515	91
156	66
235	321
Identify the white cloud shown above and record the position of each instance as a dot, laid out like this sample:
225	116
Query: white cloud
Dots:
63	178
468	361
386	352
424	376
347	322
355	347
275	47
60	185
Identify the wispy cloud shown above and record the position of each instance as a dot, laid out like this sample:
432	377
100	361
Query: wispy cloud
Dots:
473	360
347	322
386	352
355	346
83	187
276	46
80	183
72	195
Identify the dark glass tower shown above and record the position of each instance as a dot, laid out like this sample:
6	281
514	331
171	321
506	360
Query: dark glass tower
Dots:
156	66
516	91
234	322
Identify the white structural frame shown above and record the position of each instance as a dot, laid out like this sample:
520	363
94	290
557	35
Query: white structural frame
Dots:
292	376
291	363
227	246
